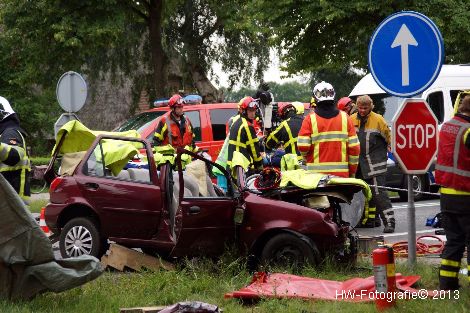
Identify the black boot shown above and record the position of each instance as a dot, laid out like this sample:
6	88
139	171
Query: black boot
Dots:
368	224
390	226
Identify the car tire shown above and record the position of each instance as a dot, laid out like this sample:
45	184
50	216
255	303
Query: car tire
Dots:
80	236
420	183
289	250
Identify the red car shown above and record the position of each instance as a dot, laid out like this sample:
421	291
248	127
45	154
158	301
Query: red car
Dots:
160	210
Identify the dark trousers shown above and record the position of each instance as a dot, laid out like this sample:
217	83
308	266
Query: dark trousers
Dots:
380	199
457	228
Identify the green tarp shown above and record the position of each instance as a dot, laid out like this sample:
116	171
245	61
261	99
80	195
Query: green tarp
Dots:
27	263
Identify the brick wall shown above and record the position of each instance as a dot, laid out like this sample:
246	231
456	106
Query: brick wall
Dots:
144	102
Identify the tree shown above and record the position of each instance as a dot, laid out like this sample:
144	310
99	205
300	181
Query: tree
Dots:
121	47
317	35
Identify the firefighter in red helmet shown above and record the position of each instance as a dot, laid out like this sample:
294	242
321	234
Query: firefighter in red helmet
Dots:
174	128
242	135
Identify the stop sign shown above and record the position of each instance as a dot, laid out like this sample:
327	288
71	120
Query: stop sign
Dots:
414	136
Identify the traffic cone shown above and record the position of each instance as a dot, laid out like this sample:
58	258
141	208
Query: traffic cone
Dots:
42	223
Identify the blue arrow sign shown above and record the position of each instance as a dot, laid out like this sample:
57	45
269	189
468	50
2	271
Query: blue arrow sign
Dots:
406	53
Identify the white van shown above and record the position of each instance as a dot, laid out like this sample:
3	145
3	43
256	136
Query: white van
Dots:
440	96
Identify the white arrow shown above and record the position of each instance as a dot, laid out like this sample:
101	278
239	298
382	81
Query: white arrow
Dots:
403	39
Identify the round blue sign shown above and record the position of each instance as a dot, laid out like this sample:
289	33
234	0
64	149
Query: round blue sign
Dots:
406	53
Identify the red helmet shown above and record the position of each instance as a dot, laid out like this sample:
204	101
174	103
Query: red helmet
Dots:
176	100
343	102
247	103
284	108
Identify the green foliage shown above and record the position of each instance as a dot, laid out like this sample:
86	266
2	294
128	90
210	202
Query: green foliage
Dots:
331	34
285	92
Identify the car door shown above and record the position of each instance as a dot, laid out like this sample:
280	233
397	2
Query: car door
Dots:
129	203
206	220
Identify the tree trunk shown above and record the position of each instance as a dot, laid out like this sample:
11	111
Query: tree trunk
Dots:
159	58
206	89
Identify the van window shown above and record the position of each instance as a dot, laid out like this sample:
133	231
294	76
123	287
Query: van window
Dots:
219	118
436	103
196	122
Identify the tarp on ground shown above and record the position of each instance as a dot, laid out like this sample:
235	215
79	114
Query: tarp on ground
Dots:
278	285
27	263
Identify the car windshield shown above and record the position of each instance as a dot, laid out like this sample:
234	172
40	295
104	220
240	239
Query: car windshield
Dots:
387	105
140	121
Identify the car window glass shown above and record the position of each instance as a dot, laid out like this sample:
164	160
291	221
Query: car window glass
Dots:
111	151
196	122
436	103
219	118
140	122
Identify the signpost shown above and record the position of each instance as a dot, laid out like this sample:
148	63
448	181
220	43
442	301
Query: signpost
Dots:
71	93
414	145
406	53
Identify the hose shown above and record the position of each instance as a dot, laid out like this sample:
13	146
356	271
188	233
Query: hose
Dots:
400	248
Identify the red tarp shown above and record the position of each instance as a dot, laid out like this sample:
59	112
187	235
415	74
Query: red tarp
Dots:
291	286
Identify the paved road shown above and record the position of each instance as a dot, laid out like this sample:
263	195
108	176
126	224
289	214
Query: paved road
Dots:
424	209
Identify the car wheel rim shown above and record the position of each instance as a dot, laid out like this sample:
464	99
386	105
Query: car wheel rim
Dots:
78	241
416	184
288	255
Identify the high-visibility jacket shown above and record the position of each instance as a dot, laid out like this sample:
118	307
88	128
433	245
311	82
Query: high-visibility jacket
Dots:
453	156
286	132
374	136
242	138
329	145
14	162
170	131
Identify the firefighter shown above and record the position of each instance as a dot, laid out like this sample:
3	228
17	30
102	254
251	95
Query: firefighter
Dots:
14	161
287	131
453	175
242	137
374	137
174	128
347	105
327	139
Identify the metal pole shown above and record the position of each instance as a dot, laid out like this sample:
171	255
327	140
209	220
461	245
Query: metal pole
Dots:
411	224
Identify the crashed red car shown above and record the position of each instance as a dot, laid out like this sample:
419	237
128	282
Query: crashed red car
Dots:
160	210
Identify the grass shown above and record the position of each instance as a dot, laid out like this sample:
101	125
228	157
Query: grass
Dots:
207	281
35	206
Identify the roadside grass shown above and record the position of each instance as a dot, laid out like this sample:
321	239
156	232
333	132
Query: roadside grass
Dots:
208	280
35	206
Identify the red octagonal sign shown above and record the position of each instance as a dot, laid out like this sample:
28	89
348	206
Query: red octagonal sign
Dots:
414	136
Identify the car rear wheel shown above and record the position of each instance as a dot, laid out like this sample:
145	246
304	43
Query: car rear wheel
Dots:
289	250
420	184
80	236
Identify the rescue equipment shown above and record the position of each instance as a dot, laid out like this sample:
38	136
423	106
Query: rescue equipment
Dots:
384	276
270	178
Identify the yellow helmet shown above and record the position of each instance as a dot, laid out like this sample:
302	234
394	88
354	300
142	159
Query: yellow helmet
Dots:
313	102
299	107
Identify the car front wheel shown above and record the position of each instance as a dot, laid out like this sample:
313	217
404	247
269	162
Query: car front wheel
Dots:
289	250
80	236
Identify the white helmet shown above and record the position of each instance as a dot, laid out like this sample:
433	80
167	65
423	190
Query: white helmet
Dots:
323	91
5	108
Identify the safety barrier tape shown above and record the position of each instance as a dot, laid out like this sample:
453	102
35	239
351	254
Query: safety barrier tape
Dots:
402	189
